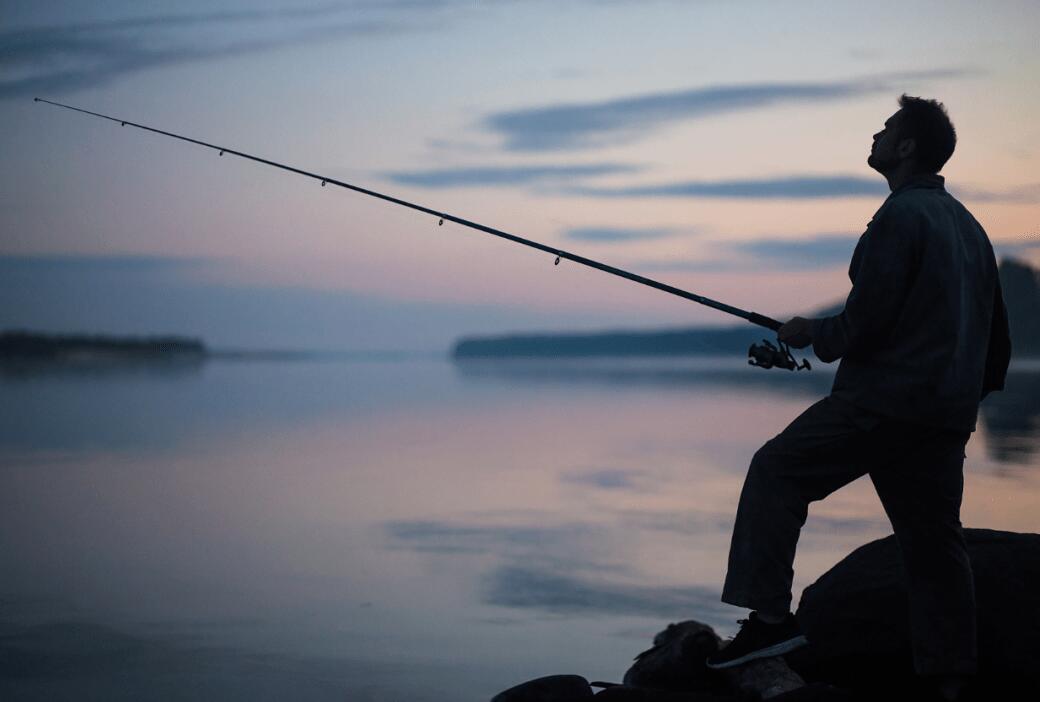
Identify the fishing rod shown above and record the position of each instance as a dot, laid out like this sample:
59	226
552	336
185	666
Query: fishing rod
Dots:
764	355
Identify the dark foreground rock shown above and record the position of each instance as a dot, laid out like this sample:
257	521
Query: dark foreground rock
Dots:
551	688
856	618
676	666
676	661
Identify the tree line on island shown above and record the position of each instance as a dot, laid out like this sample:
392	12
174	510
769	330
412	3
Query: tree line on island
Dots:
27	345
1020	283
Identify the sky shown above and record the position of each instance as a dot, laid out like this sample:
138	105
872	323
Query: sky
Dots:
717	146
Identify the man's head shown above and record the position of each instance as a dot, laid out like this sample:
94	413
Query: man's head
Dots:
919	138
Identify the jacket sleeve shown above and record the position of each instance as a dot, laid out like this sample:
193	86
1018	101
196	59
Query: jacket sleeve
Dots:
998	355
884	271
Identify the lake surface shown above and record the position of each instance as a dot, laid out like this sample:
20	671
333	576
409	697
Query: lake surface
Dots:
406	529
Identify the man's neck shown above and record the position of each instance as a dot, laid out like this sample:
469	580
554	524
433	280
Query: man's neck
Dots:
902	175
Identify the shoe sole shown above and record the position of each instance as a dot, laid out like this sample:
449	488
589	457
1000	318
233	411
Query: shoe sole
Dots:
767	652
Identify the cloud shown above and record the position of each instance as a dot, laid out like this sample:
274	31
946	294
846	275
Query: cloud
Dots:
615	234
794	187
1024	194
1018	247
607	479
48	60
824	250
689	265
816	252
821	251
581	125
491	176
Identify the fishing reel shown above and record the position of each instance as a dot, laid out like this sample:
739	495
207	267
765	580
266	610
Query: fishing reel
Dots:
766	355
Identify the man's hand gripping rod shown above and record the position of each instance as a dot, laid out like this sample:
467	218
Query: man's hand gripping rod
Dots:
764	355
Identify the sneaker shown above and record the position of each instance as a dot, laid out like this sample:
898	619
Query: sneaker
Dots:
756	639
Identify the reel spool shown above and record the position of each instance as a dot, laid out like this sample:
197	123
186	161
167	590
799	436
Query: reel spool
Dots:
766	355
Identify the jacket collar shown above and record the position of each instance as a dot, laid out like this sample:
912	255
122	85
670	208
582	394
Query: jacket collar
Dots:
932	181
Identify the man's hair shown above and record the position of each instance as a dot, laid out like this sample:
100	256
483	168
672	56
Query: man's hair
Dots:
926	122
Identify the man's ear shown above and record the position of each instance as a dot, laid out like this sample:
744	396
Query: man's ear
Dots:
906	147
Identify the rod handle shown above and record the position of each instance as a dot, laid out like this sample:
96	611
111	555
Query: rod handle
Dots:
763	321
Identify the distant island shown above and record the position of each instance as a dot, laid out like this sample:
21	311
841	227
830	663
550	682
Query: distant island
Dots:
22	346
1020	283
679	342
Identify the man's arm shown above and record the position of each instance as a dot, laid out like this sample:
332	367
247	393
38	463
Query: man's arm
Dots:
998	355
887	263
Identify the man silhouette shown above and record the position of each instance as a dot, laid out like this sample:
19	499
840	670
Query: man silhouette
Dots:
922	339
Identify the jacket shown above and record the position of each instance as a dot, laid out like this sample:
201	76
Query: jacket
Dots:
924	334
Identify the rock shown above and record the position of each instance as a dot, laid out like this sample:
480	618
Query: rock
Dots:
552	688
626	693
855	617
818	692
676	661
766	677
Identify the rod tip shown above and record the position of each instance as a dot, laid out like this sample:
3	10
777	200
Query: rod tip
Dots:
36	99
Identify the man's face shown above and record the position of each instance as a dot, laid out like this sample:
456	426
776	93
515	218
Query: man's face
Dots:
885	154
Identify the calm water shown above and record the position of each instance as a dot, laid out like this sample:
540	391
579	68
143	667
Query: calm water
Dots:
400	530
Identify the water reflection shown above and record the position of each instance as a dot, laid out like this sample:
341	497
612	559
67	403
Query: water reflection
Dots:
660	373
1011	418
89	661
153	406
149	407
563	569
699	524
563	542
557	592
398	530
557	570
581	569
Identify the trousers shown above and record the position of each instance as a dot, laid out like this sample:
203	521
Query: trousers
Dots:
917	472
